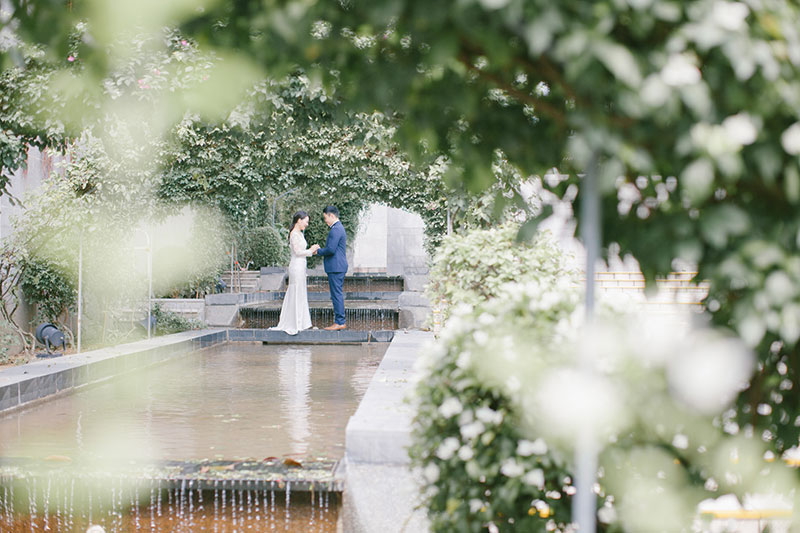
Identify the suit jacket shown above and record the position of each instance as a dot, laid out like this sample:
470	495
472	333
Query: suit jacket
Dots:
335	250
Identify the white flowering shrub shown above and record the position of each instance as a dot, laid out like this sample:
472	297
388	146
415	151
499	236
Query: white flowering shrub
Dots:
470	268
513	379
478	467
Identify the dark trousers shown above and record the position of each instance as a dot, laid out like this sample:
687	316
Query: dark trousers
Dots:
336	283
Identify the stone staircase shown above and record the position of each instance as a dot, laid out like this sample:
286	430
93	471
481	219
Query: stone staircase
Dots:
241	281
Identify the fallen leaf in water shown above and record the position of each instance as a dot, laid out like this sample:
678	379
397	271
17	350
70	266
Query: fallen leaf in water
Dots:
58	458
292	463
270	459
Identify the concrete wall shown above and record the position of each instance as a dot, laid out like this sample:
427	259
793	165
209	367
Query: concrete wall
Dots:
22	183
405	249
389	240
369	250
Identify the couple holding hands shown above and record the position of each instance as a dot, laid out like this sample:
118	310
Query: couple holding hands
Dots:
295	314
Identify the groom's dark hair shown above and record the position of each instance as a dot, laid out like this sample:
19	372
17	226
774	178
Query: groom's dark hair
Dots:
332	210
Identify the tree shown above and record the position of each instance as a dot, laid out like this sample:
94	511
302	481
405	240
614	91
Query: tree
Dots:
688	109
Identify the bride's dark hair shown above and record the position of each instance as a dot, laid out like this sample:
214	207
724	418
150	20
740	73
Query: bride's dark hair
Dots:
297	216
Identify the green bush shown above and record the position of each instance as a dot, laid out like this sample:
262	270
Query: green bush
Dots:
49	287
470	268
263	246
168	322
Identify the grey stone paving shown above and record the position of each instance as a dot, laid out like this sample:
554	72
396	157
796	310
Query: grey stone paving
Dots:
380	493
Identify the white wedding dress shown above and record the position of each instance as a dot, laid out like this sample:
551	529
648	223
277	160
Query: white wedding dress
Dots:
295	315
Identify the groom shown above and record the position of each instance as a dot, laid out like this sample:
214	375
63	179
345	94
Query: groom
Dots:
335	264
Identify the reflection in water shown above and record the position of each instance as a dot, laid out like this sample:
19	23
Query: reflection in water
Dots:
294	376
229	402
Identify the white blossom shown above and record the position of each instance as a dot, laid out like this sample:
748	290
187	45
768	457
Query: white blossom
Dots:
607	514
710	373
680	441
431	473
741	128
511	468
527	448
475	505
535	478
680	70
486	319
464	360
481	337
321	29
729	15
494	4
542	89
450	407
472	431
447	449
465	453
487	415
790	139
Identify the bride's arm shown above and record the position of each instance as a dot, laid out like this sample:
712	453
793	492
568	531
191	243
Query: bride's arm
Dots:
297	246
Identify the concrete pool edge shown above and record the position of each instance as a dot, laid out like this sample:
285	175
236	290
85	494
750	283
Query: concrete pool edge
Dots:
376	462
22	385
28	383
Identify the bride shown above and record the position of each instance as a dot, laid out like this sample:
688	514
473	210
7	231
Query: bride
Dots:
295	315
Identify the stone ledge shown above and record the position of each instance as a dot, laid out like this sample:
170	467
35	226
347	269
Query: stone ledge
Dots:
379	431
36	380
313	336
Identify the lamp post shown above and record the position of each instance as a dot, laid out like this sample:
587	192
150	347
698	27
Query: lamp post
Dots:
584	501
80	287
147	248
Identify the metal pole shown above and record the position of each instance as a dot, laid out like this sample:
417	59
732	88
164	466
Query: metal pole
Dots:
149	285
80	287
149	258
584	506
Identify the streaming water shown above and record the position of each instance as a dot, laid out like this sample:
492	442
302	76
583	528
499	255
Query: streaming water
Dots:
364	319
248	510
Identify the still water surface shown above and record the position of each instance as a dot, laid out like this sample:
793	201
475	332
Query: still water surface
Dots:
235	401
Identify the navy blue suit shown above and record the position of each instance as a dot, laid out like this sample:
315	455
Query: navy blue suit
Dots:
335	260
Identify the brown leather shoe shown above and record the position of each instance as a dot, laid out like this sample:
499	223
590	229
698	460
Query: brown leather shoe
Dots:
336	327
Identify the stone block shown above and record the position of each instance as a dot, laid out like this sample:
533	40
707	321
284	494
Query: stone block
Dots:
413	317
412	299
415	282
381	336
241	335
231	298
222	315
9	396
366	507
349	335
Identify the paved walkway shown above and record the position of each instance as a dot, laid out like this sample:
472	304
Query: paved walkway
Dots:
380	494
